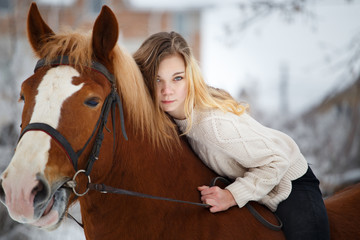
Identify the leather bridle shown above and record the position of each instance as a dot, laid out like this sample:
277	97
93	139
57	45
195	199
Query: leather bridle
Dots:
111	101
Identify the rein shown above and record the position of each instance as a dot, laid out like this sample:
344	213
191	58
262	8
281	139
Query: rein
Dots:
111	101
107	189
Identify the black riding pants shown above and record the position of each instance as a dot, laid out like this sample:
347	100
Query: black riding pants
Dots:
303	213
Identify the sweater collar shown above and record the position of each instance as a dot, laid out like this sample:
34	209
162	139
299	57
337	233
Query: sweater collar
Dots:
195	118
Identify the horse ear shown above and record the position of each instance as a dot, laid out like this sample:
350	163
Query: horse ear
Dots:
105	35
37	29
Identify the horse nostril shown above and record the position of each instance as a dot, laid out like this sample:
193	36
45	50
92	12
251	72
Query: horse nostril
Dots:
38	188
41	191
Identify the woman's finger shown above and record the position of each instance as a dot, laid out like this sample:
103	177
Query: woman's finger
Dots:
210	202
202	188
205	190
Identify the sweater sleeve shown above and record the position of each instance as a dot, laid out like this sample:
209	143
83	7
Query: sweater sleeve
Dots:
263	152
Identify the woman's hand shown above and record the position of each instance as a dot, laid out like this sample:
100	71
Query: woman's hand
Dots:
219	199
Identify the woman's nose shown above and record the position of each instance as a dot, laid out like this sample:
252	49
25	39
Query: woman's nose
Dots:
166	88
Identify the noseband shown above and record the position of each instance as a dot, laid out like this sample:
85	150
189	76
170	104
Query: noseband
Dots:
110	102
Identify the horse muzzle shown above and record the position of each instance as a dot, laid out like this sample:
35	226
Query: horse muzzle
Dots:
35	202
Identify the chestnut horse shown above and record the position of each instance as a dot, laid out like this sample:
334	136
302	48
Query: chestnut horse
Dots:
73	120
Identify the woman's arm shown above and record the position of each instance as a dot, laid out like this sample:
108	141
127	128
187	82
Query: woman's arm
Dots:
263	153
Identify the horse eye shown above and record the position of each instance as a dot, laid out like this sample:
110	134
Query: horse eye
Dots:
92	102
22	98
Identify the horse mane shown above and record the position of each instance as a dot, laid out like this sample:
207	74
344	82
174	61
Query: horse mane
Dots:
130	84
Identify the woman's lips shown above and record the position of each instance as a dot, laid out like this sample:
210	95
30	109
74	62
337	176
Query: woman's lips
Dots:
167	102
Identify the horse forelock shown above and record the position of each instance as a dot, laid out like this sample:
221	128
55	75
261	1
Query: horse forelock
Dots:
75	45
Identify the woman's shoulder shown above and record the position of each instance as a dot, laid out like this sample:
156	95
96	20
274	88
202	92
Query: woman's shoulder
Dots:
213	114
221	124
213	121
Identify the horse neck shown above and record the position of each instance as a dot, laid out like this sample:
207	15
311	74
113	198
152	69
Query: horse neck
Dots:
119	172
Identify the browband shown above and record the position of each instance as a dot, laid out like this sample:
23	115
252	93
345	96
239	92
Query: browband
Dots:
64	60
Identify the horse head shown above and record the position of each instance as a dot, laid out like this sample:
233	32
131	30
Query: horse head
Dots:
67	96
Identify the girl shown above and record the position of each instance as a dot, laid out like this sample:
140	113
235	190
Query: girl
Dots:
266	164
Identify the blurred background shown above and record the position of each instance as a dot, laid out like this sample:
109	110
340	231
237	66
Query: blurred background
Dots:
295	62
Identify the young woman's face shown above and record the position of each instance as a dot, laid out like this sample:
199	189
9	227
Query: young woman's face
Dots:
171	85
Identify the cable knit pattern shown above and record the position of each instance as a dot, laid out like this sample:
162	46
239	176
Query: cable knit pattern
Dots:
262	161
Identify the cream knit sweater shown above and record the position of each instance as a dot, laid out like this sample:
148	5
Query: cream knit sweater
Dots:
262	161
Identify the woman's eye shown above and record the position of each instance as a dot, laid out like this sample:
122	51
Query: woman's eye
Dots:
178	78
92	102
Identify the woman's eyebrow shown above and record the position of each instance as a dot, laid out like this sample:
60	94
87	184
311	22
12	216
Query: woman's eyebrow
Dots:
177	73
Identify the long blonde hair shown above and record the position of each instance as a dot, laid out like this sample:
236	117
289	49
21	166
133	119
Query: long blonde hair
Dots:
200	95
